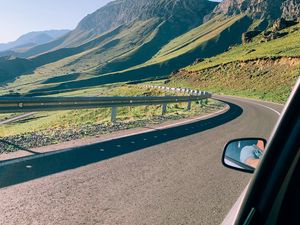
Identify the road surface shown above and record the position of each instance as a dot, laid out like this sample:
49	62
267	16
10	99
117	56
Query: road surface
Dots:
168	176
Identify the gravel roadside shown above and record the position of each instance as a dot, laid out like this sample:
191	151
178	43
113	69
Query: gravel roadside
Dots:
58	135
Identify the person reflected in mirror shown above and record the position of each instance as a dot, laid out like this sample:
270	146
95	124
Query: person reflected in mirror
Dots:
251	155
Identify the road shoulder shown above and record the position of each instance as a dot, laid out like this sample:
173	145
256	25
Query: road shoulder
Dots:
106	137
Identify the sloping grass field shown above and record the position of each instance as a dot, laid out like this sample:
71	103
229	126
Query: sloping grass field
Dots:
88	67
287	46
263	70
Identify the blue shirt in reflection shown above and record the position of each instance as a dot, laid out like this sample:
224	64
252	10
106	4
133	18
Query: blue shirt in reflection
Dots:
250	152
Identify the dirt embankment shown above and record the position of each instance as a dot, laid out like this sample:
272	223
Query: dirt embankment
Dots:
269	78
52	136
262	62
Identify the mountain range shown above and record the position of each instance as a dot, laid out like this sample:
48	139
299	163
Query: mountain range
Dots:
129	40
259	9
32	39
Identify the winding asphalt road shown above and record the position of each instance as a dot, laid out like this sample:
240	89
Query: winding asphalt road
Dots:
166	176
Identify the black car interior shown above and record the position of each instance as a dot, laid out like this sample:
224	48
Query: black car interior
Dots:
273	195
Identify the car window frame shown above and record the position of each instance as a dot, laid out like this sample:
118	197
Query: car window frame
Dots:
274	166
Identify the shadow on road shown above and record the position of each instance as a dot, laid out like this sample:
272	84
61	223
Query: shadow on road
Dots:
18	147
29	168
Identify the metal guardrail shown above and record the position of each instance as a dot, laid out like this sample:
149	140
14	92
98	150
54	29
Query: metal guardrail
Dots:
33	104
180	90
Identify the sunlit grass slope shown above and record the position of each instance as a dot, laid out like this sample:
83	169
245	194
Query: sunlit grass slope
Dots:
264	70
287	46
135	58
194	38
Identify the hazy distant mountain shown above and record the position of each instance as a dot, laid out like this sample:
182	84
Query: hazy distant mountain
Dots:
32	39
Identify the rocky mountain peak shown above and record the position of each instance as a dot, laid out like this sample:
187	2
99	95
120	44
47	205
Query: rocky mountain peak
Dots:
291	9
124	11
259	9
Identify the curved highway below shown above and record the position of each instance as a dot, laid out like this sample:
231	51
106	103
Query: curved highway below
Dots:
167	176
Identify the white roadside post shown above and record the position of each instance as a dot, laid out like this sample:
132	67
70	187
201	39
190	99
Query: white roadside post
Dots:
206	99
201	103
189	105
164	108
114	111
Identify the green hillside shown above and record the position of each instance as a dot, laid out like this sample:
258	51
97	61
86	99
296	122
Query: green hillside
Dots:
137	40
106	42
265	70
151	58
193	39
287	46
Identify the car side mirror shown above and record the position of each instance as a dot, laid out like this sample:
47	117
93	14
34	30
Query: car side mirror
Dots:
243	154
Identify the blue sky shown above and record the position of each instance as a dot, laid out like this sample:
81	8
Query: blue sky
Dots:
18	17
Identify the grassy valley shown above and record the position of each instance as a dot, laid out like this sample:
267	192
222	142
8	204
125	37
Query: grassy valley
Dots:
128	34
150	59
138	40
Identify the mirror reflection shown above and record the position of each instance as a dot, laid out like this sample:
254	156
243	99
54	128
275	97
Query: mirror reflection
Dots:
244	154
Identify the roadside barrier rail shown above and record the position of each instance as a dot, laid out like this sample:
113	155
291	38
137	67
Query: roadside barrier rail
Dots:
34	104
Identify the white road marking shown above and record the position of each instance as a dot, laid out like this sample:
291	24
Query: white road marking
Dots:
253	102
251	99
278	113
